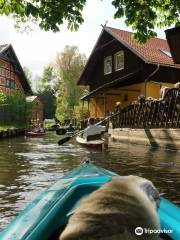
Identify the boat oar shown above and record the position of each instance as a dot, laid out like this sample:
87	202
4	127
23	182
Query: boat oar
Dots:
66	139
61	131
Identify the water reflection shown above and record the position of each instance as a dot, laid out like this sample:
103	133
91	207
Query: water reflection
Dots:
27	166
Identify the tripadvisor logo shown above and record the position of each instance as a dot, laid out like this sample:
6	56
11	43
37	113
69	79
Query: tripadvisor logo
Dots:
139	231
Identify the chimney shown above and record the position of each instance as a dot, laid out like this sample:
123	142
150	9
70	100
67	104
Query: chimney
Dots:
173	39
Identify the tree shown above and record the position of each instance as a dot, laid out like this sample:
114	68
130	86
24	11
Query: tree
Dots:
69	64
49	79
28	75
142	15
47	91
49	103
49	14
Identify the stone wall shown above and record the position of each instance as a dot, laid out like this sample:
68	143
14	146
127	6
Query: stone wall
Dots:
166	138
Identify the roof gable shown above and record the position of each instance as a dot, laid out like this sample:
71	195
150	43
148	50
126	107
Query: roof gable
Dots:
7	53
150	52
154	51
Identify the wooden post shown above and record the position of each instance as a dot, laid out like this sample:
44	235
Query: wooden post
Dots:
82	106
88	106
96	107
105	108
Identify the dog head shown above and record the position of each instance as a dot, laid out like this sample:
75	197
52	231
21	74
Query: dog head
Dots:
140	185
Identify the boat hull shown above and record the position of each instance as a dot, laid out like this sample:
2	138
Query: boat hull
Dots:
90	144
35	134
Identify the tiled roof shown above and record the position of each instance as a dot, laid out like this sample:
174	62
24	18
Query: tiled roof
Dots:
151	51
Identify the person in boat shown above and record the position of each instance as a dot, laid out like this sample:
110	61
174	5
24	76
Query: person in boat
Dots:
93	132
70	128
115	211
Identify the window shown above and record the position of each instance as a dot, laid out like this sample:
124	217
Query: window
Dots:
8	83
108	65
13	85
2	81
119	60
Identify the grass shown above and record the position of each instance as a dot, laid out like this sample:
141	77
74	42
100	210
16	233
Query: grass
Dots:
11	126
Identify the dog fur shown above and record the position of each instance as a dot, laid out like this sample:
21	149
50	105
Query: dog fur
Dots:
114	211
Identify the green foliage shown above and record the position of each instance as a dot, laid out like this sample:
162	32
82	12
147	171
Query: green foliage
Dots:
70	64
47	92
3	98
16	110
28	75
49	102
48	14
81	113
48	81
4	127
142	15
19	107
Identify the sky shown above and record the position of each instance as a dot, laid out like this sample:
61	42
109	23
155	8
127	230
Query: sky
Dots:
38	48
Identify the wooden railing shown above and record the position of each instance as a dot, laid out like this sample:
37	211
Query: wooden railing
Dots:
163	113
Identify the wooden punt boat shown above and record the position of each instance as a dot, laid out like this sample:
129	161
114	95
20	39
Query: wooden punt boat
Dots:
49	212
35	134
90	144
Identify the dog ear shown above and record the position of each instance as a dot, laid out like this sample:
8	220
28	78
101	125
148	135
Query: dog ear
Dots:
151	192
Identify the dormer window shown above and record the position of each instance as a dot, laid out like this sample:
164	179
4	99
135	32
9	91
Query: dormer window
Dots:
108	65
119	60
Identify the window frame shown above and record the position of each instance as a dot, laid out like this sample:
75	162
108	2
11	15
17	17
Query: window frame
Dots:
13	84
116	68
8	83
106	59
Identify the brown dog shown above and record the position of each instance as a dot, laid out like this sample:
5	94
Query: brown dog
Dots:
115	210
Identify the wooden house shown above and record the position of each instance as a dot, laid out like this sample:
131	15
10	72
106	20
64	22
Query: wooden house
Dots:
37	109
12	78
119	70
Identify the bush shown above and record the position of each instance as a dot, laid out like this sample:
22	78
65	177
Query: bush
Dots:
14	109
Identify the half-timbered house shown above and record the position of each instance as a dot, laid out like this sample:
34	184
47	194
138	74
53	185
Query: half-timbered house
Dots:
119	70
12	78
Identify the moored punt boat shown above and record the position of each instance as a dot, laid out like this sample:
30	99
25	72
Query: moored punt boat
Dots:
35	134
49	212
91	143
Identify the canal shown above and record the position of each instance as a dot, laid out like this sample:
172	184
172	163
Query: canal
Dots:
29	165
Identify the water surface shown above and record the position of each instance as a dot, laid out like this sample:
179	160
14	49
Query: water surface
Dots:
28	165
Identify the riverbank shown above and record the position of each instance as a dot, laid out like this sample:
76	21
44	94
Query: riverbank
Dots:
165	138
14	132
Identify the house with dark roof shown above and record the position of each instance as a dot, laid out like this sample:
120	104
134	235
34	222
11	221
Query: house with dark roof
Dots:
12	78
119	70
